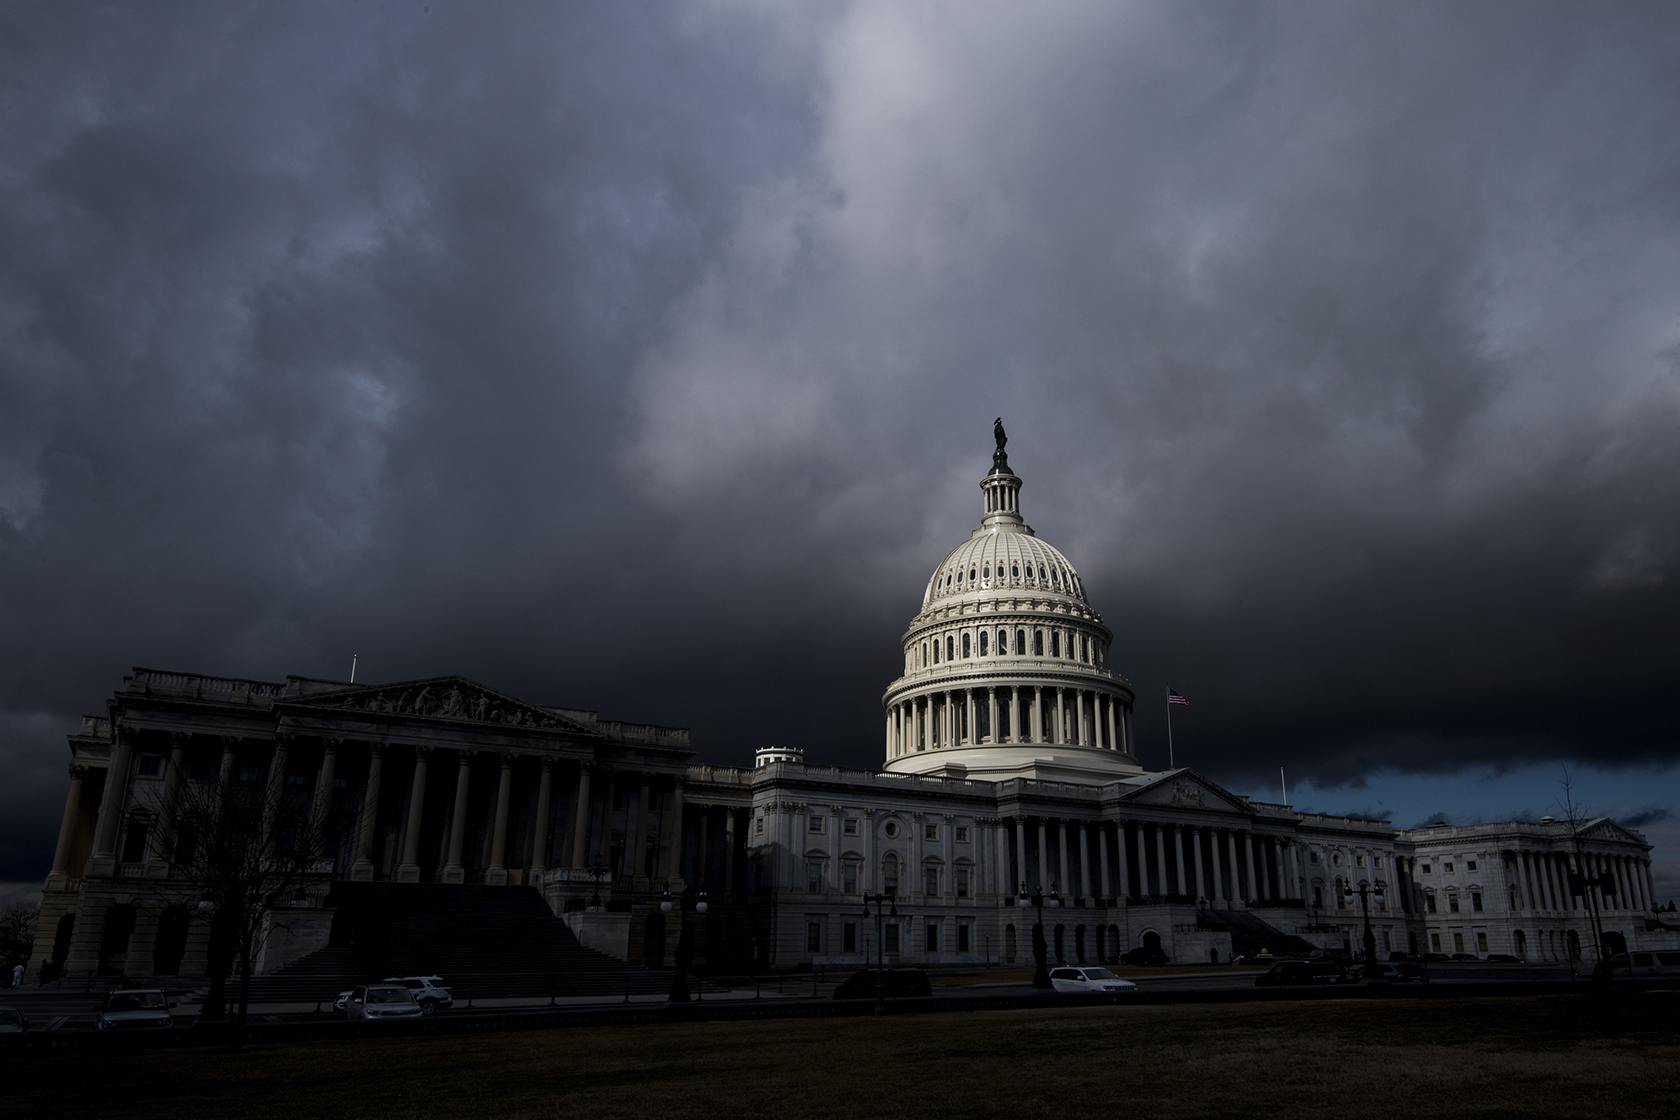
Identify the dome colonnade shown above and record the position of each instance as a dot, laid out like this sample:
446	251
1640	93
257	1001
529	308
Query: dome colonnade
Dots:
1007	655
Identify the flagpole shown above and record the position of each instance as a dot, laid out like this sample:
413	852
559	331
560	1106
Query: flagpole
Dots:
1285	787
1171	765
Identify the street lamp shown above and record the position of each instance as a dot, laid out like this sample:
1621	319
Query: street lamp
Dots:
1372	971
685	945
1041	976
597	873
886	906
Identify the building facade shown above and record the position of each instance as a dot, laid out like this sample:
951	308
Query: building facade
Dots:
1009	772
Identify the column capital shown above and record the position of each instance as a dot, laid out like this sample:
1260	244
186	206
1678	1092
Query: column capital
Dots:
284	739
128	736
331	742
507	758
180	739
376	748
78	771
423	751
467	754
547	765
231	742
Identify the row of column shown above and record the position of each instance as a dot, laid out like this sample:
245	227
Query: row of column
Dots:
1220	864
114	804
1074	716
1544	879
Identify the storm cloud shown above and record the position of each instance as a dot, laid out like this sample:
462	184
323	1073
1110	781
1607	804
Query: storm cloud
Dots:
643	358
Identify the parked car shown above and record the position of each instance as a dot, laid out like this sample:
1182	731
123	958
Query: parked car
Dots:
1397	956
1343	957
429	992
12	1021
1291	973
1435	958
899	982
1143	955
1257	958
1403	973
381	1002
1088	980
1501	958
1646	966
134	1008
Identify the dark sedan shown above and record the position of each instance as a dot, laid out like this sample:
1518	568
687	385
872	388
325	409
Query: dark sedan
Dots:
1292	973
899	982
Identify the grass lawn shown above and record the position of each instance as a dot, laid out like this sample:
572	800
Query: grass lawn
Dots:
1533	1057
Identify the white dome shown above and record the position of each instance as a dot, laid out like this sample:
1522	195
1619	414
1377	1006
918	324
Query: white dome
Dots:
1003	559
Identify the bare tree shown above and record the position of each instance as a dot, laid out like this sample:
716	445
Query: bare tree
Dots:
1578	881
17	932
248	849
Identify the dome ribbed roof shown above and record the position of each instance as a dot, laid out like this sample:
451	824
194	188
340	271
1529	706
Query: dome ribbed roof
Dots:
1003	559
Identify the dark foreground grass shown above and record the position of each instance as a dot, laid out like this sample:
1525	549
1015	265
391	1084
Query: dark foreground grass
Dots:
1535	1057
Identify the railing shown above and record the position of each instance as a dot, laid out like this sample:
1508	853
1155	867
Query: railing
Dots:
1161	900
191	684
572	875
1278	904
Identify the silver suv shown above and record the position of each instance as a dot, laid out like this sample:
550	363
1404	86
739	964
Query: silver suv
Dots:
429	992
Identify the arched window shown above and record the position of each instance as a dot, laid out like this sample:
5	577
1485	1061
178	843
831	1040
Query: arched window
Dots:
950	647
924	655
971	575
936	651
987	573
1055	643
1020	641
959	577
1055	577
1014	571
1003	642
966	652
982	643
1038	643
1084	648
889	874
1041	575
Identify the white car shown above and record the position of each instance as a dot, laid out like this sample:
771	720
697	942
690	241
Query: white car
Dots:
12	1021
1088	980
429	992
134	1008
381	1002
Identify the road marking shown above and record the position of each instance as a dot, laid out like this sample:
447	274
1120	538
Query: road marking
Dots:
56	1023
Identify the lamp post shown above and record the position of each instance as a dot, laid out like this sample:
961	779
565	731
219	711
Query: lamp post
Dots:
1372	970
886	906
685	946
597	873
1041	976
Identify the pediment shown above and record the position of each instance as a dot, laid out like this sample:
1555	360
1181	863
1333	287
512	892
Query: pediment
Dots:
1606	829
1185	789
447	698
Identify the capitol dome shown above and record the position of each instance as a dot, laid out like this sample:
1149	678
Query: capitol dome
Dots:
1006	666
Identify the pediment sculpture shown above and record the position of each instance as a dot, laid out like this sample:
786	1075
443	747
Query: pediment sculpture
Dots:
449	698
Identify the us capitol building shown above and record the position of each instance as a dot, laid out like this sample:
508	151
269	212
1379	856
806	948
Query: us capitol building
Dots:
1008	765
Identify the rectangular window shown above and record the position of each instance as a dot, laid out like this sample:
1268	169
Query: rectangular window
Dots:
963	937
813	875
1359	861
151	765
1476	901
930	832
848	878
1388	945
1458	943
250	772
1446	868
850	827
1312	857
962	834
1470	865
962	882
931	884
813	937
889	939
758	827
1452	903
848	938
134	842
1434	943
1429	903
816	824
1481	943
932	943
1376	862
1426	869
1318	896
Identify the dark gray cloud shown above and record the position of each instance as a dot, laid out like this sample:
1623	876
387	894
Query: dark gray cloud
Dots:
642	357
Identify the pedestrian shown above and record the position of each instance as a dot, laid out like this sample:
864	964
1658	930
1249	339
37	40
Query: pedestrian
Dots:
17	976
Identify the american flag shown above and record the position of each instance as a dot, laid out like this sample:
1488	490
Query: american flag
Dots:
1174	698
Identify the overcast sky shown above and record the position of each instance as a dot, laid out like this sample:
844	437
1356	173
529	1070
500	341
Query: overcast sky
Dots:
643	358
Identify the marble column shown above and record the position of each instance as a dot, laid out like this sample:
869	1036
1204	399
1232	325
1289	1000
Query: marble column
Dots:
322	806
1159	835
1084	861
992	714
1038	714
580	820
1180	884
1253	894
274	791
1020	854
1232	867
362	869
453	869
1102	860
111	805
1113	731
1196	843
1123	859
539	831
60	875
1043	858
157	845
1060	735
1084	724
971	725
409	870
496	875
1064	879
1216	896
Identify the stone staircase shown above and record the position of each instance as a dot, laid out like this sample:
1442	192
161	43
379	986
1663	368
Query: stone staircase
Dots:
1250	934
486	943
